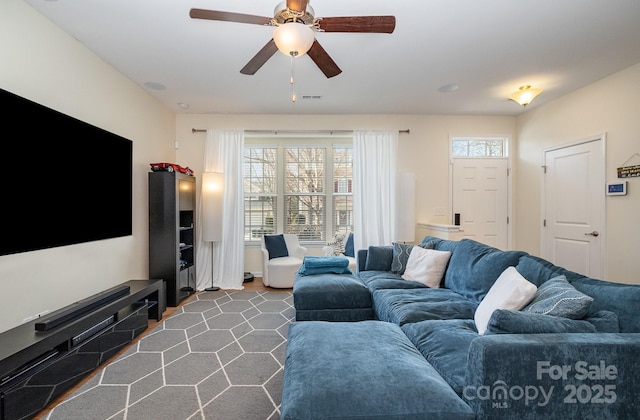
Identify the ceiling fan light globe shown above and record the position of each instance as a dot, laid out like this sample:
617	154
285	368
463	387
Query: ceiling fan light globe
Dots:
293	39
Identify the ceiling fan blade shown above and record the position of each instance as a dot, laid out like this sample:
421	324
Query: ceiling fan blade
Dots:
323	61
369	24
228	16
260	58
297	5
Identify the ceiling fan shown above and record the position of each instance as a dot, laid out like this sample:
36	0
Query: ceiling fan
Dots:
299	12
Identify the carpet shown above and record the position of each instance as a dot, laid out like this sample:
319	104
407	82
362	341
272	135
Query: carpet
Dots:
219	356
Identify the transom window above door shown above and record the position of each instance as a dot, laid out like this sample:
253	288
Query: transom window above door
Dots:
479	147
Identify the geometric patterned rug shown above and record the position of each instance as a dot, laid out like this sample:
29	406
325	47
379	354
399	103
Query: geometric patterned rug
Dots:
219	356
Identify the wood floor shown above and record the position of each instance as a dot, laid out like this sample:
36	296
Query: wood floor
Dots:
255	285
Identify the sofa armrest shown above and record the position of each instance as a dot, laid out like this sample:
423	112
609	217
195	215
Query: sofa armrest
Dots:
554	376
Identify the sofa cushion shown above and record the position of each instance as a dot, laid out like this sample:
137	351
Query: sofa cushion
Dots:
386	280
276	246
427	266
537	270
445	344
331	297
402	306
441	244
605	321
510	291
558	297
474	267
379	258
401	254
516	322
622	299
362	370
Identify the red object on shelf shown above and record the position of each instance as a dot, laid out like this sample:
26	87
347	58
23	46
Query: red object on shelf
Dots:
170	167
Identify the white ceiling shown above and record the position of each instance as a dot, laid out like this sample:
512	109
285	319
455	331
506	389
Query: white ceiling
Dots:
486	47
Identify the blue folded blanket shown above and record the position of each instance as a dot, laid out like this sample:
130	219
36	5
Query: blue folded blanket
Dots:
321	265
317	262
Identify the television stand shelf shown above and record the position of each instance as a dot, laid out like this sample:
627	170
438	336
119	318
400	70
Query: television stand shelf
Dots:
41	359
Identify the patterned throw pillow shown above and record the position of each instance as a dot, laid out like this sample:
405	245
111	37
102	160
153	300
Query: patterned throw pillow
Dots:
401	255
558	297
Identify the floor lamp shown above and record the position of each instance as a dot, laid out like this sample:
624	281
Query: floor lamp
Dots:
212	211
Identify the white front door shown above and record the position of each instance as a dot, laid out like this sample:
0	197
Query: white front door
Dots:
574	207
480	199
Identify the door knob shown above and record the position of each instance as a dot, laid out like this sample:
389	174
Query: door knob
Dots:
594	233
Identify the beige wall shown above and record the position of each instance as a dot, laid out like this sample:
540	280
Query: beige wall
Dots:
424	151
608	106
43	64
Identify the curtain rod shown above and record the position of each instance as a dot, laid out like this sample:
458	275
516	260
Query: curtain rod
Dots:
200	130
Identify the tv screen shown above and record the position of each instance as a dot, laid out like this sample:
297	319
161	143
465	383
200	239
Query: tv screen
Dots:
64	181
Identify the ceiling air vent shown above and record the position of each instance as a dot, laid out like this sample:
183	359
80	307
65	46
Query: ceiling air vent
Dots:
309	97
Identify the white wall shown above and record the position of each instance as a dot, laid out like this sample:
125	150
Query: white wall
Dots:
45	65
424	151
608	106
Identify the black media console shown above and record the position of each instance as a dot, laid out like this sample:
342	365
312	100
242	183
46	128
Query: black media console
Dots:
41	359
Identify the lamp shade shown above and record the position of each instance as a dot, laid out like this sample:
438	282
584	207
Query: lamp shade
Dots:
293	38
212	199
525	94
406	210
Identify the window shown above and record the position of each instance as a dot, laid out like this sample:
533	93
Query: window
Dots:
479	147
285	188
342	215
260	191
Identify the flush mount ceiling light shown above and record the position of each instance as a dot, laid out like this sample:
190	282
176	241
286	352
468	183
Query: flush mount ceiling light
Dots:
525	94
293	38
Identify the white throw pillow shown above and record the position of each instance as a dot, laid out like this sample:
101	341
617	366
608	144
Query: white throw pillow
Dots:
510	291
426	266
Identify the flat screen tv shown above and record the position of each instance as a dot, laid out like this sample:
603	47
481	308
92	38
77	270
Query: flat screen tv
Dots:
64	181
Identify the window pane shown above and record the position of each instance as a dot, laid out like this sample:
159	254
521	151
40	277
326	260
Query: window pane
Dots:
260	216
304	170
477	148
495	148
460	148
305	216
342	213
260	174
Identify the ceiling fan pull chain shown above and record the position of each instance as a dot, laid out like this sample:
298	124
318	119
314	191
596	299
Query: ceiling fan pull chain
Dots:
291	81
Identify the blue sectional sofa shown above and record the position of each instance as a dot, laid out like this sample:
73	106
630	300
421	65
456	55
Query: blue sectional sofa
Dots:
529	364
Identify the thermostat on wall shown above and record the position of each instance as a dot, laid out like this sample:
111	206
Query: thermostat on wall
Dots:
617	188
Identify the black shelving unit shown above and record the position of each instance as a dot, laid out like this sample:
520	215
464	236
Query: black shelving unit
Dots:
172	233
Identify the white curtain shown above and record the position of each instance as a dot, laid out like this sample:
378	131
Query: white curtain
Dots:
221	263
374	178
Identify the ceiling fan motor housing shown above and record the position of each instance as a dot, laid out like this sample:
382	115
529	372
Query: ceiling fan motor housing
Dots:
282	14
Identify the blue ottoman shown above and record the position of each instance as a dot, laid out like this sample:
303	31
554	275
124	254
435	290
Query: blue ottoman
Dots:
362	370
331	297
